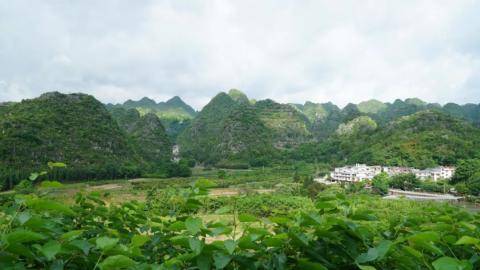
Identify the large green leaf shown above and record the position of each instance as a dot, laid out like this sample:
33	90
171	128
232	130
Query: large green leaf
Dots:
375	253
304	264
23	236
371	255
230	245
223	210
42	204
425	236
193	225
467	240
117	262
204	262
221	260
366	267
82	245
195	245
23	217
50	249
247	218
106	243
69	236
449	263
139	240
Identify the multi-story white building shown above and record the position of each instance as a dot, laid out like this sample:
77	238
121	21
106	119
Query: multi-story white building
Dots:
355	173
436	174
359	172
399	170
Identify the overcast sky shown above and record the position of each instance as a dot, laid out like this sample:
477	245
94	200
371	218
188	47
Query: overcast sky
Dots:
290	51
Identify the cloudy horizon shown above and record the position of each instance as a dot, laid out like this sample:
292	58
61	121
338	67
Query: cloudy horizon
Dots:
289	51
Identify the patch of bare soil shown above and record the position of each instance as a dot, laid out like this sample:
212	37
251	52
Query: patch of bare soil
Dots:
106	187
224	192
233	191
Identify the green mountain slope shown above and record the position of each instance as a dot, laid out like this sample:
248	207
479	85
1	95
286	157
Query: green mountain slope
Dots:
224	131
174	108
147	136
238	96
289	127
422	139
469	112
175	114
371	106
75	129
315	111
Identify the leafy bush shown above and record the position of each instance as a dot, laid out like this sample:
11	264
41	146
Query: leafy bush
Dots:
432	186
473	184
338	232
380	183
404	181
465	169
24	187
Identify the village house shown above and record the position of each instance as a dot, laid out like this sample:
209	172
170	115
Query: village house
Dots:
360	172
436	174
355	173
391	171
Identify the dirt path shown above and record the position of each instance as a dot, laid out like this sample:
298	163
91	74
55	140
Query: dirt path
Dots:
105	187
233	191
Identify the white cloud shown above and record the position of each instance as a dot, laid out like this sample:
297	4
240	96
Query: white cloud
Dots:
340	51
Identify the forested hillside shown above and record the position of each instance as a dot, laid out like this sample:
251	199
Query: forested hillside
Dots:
371	131
146	135
174	114
423	139
289	128
227	131
230	131
75	129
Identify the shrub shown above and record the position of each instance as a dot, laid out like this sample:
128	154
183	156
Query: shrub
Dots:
404	181
380	183
24	187
473	184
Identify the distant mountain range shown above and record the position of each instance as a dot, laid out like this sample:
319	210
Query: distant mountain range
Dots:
174	108
230	131
174	113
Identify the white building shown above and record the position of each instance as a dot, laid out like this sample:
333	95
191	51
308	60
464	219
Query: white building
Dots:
355	173
391	171
359	172
436	174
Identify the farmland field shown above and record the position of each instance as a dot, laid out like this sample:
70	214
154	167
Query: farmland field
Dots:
242	221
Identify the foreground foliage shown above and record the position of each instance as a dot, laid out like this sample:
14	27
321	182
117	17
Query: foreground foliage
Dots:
337	233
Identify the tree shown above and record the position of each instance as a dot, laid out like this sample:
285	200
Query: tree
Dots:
380	183
465	169
473	184
404	181
461	188
179	169
222	174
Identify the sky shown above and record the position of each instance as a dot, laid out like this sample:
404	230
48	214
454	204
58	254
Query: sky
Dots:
289	51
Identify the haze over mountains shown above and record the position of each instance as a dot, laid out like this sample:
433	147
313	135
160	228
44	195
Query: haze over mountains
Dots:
137	137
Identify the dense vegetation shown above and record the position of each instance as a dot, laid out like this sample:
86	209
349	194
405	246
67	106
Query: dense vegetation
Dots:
421	140
170	231
231	132
76	129
226	131
146	135
175	114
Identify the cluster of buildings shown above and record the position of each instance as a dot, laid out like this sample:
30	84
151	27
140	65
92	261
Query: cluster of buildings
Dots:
359	172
